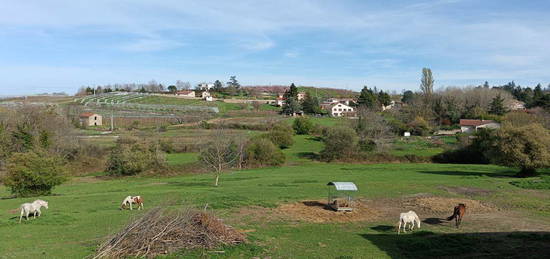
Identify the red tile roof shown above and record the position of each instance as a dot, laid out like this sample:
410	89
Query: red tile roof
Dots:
468	122
86	114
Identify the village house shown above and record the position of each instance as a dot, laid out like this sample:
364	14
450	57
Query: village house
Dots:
346	101
280	101
205	94
301	96
515	105
90	119
392	105
205	86
471	126
339	110
186	93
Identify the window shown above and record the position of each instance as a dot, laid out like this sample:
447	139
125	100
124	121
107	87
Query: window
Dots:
95	117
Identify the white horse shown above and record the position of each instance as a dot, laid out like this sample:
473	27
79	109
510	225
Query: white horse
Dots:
32	208
128	201
408	217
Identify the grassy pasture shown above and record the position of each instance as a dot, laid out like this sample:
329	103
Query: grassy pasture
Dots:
83	212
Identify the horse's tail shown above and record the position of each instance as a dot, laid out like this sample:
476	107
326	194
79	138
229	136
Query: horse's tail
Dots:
455	213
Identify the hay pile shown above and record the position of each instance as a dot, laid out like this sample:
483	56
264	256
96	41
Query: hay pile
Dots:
160	231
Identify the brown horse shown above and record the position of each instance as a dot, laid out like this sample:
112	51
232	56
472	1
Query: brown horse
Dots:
458	214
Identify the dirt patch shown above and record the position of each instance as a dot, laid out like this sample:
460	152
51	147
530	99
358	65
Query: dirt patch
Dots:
318	212
441	206
468	191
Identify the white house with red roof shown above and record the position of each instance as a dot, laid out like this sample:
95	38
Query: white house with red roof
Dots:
471	126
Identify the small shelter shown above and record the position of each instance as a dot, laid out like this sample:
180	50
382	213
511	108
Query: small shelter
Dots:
340	196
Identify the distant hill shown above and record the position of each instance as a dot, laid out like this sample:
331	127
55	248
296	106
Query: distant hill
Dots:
315	91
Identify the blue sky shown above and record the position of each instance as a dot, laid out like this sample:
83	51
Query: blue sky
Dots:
48	45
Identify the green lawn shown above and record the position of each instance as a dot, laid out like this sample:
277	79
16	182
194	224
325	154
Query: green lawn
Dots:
222	106
181	158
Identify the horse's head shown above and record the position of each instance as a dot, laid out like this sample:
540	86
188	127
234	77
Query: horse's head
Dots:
42	203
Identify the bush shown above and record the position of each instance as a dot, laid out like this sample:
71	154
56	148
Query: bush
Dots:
340	142
134	159
302	126
166	146
281	135
33	174
262	152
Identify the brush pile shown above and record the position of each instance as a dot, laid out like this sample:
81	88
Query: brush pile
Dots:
161	231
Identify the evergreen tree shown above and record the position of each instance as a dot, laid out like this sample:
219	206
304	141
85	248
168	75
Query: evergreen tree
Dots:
218	86
292	92
408	97
233	82
367	98
291	104
497	106
173	89
384	98
311	104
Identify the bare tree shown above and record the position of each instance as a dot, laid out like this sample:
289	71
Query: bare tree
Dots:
372	127
219	153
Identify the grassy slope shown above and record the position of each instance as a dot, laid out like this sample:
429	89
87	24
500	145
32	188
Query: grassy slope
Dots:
84	211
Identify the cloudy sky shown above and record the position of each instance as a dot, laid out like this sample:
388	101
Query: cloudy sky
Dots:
49	45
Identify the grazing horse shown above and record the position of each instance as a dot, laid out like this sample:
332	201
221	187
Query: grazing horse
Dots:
408	217
128	201
32	208
458	214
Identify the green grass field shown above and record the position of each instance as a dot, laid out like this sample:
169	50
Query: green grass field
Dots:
84	211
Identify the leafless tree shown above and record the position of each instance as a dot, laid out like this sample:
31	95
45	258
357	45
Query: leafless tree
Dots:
218	152
371	126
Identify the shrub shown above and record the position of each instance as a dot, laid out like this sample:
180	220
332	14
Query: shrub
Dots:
279	138
340	142
302	126
527	148
166	146
34	173
281	135
134	159
262	152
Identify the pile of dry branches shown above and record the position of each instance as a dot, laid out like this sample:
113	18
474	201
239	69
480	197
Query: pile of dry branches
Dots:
160	231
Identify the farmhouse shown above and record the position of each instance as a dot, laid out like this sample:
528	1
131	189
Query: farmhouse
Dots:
339	109
186	93
206	86
301	96
470	126
90	119
515	105
346	101
280	101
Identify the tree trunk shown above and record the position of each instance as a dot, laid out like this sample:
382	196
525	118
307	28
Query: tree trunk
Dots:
527	172
217	178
